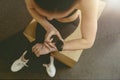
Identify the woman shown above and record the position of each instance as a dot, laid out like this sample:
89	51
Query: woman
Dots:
52	13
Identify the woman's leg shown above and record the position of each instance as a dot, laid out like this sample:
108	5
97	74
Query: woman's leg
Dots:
40	33
25	58
50	68
27	54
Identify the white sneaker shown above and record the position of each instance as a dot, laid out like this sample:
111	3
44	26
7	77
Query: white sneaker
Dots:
50	68
19	64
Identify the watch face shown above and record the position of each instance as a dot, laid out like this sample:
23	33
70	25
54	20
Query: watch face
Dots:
55	39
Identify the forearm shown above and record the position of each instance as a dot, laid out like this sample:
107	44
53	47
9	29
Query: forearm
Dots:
40	19
77	44
88	38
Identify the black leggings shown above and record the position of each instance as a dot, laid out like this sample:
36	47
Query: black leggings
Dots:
65	30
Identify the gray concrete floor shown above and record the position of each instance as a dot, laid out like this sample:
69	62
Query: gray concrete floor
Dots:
99	62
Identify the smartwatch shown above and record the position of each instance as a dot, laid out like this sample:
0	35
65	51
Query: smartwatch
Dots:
58	43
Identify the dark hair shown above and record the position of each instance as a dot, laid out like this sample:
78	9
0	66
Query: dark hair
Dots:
56	5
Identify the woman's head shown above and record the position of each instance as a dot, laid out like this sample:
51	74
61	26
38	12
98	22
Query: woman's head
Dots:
56	5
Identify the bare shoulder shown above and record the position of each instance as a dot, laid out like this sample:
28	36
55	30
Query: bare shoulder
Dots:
87	4
89	9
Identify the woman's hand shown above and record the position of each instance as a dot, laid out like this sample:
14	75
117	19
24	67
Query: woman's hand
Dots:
34	11
50	32
43	49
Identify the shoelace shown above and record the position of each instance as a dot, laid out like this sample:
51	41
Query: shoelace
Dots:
23	63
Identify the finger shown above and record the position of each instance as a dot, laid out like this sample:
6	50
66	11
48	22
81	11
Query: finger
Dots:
37	55
59	36
47	39
51	39
37	46
46	45
37	52
52	45
48	36
34	47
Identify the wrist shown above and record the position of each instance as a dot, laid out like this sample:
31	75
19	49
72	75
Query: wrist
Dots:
58	43
49	27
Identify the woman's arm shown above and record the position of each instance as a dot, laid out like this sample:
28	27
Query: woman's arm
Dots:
51	30
37	16
88	26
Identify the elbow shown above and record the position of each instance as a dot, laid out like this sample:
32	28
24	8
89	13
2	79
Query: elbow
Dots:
90	44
